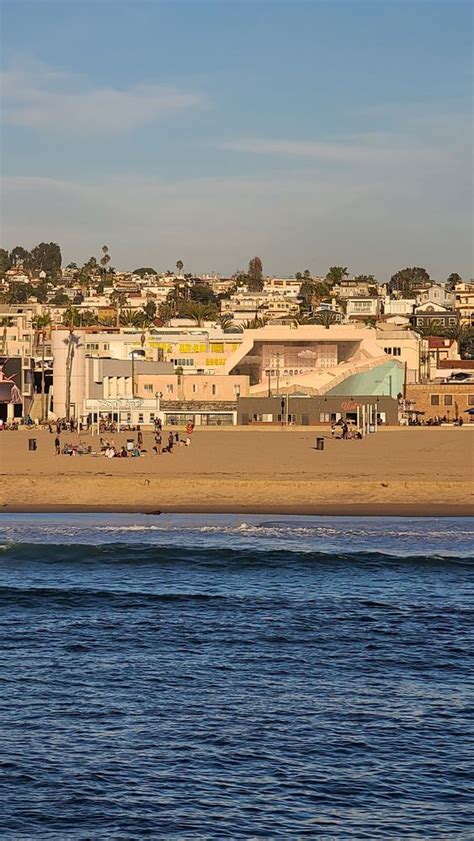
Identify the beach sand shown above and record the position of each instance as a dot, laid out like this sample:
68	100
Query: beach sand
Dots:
414	471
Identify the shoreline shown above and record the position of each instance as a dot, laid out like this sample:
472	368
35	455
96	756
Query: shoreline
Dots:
423	510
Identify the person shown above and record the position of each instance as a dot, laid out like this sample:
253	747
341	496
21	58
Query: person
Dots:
345	431
139	439
123	453
188	441
158	442
333	430
57	445
170	442
460	421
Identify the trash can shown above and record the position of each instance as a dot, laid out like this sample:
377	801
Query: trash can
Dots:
130	444
320	443
32	444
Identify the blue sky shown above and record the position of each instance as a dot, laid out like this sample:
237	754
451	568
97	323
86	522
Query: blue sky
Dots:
309	133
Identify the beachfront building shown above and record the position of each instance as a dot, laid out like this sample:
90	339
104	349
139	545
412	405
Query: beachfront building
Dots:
201	399
16	387
313	411
314	360
444	399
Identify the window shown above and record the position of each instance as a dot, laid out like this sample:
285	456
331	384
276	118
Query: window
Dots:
214	389
106	346
148	387
388	350
470	399
169	388
140	417
194	388
434	399
324	417
237	390
92	347
152	417
397	351
448	400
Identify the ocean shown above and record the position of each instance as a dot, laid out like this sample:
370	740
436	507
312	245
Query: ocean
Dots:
214	677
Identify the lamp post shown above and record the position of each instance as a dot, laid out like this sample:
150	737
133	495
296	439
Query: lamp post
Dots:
132	354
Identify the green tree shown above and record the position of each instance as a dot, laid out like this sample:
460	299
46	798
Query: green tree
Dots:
5	262
180	266
144	271
149	311
45	257
453	278
202	293
72	317
18	293
336	274
255	275
72	266
60	298
433	327
105	259
118	300
41	293
19	255
200	312
408	281
325	317
366	278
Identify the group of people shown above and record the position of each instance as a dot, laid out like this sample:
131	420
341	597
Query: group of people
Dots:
132	449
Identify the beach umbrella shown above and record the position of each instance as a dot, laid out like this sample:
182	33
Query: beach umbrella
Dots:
470	411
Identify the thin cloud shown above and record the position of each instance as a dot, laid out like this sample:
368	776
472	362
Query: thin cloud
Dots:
368	149
48	100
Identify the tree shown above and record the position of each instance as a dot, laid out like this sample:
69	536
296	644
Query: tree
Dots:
118	299
144	271
336	274
255	275
60	298
132	318
453	278
325	317
433	327
5	262
19	293
149	311
200	312
45	257
202	293
165	312
408	281
180	266
105	259
72	266
71	318
41	293
18	255
306	274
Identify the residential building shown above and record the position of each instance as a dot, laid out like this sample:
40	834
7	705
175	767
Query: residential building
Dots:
363	307
464	303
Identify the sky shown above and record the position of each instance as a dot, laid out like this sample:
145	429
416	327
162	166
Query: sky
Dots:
309	133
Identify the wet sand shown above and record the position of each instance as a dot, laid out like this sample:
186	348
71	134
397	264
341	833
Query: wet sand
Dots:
400	472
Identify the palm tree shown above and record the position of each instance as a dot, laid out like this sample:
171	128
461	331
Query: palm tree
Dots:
119	299
200	312
180	266
105	259
254	323
325	317
432	328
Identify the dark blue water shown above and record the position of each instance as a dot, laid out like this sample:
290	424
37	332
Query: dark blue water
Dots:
190	677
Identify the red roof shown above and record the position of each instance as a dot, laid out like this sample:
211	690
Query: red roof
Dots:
463	364
438	341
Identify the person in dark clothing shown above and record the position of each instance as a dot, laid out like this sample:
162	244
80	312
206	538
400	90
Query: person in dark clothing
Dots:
57	446
170	442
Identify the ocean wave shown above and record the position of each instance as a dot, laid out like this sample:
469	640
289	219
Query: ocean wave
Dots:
211	556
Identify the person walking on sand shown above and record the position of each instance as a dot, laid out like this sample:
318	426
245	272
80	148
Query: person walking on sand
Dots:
158	442
57	446
139	439
170	442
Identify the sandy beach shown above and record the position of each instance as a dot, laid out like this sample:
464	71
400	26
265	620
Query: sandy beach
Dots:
397	471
